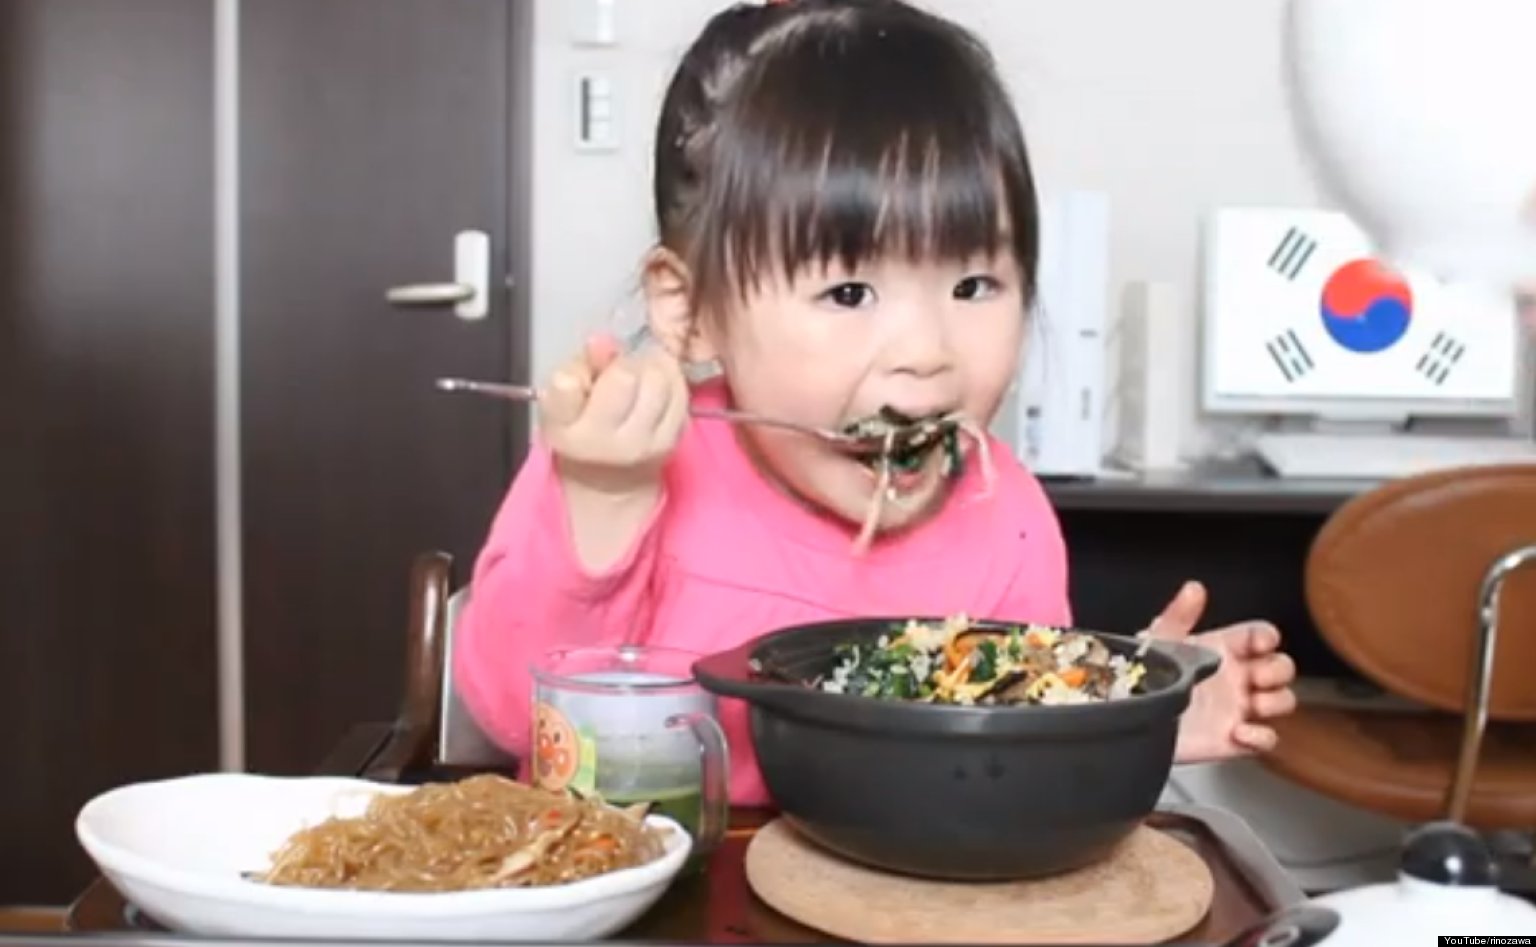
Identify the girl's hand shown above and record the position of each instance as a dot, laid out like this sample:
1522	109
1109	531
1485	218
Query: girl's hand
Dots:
612	420
1227	713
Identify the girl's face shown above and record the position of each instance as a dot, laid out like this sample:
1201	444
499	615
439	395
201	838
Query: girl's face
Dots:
836	345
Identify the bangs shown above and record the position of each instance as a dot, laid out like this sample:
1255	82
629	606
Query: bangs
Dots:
842	147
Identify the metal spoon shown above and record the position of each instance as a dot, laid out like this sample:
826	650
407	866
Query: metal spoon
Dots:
526	393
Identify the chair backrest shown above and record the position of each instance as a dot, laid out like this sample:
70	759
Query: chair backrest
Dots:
434	729
460	740
1394	579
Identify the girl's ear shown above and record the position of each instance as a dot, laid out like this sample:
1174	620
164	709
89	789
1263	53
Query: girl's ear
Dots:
668	288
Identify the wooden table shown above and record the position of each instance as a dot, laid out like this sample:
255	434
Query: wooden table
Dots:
716	906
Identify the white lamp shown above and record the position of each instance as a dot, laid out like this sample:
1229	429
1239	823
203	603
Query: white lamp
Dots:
1420	116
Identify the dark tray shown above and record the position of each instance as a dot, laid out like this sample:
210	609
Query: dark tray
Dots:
718	907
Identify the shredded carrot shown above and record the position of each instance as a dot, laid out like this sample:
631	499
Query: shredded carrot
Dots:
1074	677
948	681
957	649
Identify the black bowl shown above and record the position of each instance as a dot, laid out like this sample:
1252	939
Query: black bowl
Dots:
952	792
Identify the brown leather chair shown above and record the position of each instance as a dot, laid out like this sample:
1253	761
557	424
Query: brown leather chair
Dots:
1420	585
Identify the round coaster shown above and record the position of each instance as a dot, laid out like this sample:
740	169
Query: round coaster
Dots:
1152	888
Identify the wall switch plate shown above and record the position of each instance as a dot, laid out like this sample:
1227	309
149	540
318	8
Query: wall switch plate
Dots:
597	123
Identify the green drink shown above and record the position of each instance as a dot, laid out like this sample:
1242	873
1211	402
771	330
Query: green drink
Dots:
685	806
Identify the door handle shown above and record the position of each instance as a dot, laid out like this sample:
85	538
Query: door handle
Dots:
429	294
468	294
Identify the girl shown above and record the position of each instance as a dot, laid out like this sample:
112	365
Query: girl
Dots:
847	221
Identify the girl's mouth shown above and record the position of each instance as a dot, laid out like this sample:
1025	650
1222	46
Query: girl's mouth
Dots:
907	476
901	462
897	453
902	444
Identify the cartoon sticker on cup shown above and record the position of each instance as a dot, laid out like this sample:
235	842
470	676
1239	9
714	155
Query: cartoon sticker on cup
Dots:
563	757
555	754
630	725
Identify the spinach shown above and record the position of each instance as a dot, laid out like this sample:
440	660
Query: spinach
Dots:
985	668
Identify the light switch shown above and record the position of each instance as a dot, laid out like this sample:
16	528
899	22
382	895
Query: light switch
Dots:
595	22
596	116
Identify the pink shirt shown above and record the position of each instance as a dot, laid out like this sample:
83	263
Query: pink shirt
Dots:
727	557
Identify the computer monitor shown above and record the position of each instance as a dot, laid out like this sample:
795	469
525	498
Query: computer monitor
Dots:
1300	318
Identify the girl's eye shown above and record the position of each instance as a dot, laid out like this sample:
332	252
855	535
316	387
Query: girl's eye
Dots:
850	295
976	287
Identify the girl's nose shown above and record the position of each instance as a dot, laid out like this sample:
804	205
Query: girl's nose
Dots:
920	345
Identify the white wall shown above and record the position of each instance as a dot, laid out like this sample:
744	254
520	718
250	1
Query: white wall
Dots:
1170	107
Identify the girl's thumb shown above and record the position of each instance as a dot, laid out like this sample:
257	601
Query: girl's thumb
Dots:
602	350
1180	617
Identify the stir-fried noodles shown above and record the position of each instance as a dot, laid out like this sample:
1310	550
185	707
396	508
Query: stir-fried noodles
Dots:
484	832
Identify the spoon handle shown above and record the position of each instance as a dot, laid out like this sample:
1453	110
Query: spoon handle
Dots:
526	393
494	389
746	417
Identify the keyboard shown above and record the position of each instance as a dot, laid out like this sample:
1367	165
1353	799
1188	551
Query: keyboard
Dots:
1383	456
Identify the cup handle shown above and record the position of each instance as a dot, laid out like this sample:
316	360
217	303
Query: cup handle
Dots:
716	782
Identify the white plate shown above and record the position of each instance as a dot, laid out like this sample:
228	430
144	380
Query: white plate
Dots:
176	848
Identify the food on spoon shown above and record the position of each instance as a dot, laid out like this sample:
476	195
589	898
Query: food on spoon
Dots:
953	663
906	440
906	443
483	832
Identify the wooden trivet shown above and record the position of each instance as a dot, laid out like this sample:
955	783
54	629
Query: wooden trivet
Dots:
1151	889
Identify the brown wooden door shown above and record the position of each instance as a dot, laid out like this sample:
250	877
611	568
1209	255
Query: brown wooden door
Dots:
106	427
371	134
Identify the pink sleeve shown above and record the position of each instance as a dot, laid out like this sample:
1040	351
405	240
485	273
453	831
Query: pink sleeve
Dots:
530	594
1040	587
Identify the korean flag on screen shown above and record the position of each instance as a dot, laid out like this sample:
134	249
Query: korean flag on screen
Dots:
1299	307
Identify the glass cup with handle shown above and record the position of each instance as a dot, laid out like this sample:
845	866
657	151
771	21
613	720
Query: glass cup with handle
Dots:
629	724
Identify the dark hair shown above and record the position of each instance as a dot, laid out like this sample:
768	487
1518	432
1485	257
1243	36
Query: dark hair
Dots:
811	130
